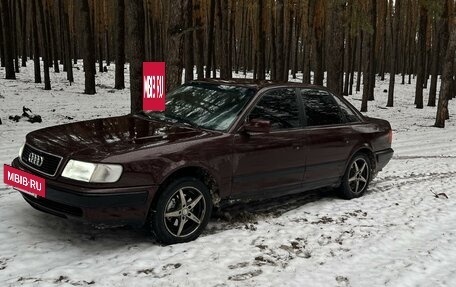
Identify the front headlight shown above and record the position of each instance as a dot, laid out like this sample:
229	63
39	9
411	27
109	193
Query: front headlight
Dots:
92	172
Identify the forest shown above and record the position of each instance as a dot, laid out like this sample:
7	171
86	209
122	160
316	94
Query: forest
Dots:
329	42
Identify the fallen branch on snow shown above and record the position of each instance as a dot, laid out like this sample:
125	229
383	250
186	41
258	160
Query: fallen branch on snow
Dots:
28	115
438	195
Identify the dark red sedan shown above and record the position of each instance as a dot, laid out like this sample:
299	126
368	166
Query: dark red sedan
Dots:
216	141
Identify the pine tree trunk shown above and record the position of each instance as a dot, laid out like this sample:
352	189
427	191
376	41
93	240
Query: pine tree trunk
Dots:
348	52
225	72
14	36
67	40
55	42
261	42
368	65
319	26
119	82
448	71
45	44
395	31
360	62
306	77
273	44
210	40
384	39
7	40
280	64
435	61
24	22
336	42
421	60
287	44
198	10
36	45
175	44
2	51
352	65
136	53
88	46
188	41
372	51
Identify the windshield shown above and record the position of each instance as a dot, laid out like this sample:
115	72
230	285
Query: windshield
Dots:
210	106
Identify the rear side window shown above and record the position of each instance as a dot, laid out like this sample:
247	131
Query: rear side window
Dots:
280	107
320	108
348	115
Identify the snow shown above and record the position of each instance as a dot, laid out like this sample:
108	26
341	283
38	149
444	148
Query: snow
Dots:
398	234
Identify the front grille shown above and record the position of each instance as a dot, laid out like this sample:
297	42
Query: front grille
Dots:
41	161
47	205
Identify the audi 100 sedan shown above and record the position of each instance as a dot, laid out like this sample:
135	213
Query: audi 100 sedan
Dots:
216	141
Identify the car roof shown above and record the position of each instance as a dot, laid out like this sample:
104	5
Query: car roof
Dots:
257	84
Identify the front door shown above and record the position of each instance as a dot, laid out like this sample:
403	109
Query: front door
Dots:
273	162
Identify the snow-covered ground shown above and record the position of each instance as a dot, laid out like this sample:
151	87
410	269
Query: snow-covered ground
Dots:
398	234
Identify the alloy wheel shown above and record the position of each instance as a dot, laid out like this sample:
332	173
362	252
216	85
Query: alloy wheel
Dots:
358	176
184	212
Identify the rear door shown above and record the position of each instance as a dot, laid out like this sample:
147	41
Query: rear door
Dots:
330	138
274	162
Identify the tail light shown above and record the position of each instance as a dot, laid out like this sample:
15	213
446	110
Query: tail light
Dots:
390	136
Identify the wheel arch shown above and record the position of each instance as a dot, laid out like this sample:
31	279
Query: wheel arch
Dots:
364	149
196	171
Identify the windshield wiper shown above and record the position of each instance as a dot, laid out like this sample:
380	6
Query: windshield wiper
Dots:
144	114
182	120
154	116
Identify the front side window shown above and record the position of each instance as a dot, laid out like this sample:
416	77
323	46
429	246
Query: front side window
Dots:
320	108
279	107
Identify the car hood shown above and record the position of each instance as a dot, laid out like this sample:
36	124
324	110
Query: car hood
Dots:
99	138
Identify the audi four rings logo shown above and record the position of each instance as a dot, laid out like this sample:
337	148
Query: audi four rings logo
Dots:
35	159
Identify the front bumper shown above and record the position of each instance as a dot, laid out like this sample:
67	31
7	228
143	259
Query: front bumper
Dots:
126	205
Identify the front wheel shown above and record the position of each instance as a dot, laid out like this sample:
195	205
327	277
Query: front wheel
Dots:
181	212
356	177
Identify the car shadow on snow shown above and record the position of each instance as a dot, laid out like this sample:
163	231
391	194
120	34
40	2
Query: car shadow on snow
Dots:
246	214
237	215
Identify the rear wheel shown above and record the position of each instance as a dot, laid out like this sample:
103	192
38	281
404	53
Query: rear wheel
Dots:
357	177
182	211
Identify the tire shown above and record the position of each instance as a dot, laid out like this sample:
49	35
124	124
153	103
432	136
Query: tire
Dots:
181	212
357	177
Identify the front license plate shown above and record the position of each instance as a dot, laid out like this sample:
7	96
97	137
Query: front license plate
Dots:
24	181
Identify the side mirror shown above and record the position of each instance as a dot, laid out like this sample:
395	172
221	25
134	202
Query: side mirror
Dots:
257	126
